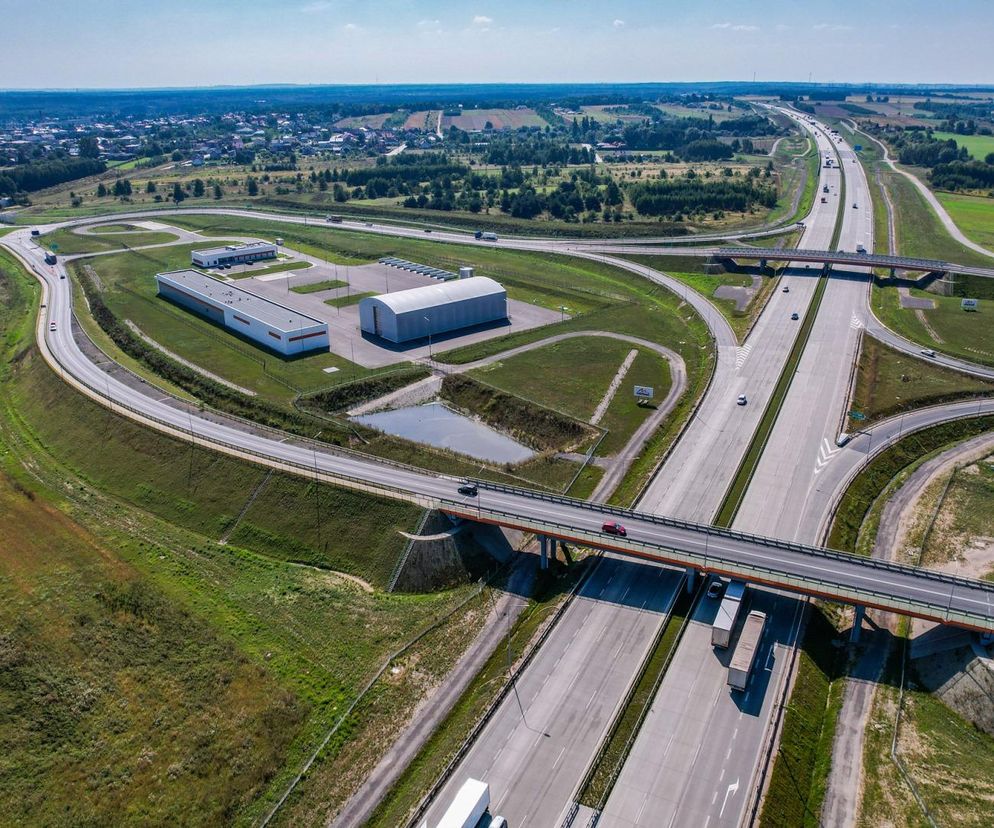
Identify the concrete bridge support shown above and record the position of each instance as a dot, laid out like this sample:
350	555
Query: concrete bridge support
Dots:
857	624
691	579
543	542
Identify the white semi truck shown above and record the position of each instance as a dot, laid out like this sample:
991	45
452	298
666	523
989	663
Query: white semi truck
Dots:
469	806
728	612
744	657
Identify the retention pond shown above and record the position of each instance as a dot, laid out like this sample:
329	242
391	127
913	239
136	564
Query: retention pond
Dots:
440	426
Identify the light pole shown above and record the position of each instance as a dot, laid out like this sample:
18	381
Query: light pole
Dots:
562	310
428	320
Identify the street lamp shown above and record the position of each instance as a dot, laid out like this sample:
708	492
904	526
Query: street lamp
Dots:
563	309
428	320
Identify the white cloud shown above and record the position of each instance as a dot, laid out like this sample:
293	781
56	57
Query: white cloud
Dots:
482	20
831	27
429	24
618	24
350	27
782	27
736	27
316	6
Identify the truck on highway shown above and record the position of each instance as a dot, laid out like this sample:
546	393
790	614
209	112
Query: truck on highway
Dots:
728	613
485	236
334	219
50	258
470	804
744	657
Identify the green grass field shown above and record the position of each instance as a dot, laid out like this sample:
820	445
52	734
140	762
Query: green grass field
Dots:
968	335
279	267
919	231
973	215
317	287
573	375
68	243
115	228
349	299
889	382
979	146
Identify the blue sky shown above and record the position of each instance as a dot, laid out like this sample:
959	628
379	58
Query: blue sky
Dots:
132	43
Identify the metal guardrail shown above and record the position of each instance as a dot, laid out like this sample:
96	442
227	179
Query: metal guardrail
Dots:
732	534
833	256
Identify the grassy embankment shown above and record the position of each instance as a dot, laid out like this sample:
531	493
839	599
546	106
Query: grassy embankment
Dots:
549	376
67	243
946	327
889	382
449	736
974	215
234	662
317	287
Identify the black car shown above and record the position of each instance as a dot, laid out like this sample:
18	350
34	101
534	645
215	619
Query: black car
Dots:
468	489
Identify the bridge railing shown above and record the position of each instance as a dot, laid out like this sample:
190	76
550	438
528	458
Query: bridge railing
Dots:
732	534
848	257
708	561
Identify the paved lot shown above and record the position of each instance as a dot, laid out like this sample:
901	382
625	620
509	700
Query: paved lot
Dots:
347	340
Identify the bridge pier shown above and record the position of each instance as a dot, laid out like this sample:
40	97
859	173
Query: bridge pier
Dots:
857	624
691	578
543	542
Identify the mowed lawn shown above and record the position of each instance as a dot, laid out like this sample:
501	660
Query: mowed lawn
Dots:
974	215
574	375
968	335
979	146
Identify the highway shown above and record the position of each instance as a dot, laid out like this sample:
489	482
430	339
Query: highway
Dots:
755	368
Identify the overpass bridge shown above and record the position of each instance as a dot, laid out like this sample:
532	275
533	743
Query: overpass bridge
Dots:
810	570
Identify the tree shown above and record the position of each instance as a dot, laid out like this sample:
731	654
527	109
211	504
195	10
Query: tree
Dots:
101	190
178	194
122	188
217	192
252	186
989	158
150	187
198	188
88	147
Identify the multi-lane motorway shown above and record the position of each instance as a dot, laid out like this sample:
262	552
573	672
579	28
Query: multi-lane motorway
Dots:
536	774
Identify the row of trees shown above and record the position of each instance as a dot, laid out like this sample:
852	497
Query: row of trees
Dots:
675	196
37	175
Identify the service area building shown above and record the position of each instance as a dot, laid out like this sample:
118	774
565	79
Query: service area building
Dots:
234	254
414	314
261	320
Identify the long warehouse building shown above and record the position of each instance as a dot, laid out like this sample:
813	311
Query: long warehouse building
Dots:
272	325
415	314
233	254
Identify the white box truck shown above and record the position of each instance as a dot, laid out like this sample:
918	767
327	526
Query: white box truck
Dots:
744	657
468	807
728	612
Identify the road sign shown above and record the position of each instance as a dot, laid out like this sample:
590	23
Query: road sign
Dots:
858	147
857	415
54	247
643	392
969	304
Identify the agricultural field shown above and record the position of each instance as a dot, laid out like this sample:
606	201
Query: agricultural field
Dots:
719	113
979	146
368	121
974	215
476	120
425	120
604	115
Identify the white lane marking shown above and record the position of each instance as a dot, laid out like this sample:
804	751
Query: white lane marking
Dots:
741	355
855	322
730	792
559	758
826	454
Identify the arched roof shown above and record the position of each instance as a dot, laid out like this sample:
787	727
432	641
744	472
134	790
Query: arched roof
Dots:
432	296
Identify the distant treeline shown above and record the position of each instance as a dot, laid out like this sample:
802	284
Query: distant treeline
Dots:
535	150
694	139
37	175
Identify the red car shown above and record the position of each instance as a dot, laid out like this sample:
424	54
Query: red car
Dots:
614	528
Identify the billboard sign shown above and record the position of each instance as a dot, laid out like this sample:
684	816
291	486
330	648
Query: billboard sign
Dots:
969	304
643	392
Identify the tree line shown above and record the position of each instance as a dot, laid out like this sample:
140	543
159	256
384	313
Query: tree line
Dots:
37	175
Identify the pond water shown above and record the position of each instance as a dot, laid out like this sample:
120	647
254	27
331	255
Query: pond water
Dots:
437	425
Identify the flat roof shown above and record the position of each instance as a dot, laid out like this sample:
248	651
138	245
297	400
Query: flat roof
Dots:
433	296
234	248
271	313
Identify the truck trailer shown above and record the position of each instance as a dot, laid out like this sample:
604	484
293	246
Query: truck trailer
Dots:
470	804
744	657
728	612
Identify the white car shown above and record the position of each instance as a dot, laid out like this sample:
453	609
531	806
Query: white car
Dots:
51	326
928	352
741	400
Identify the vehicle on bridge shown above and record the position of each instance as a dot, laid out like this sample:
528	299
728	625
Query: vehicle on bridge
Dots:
744	657
469	489
612	527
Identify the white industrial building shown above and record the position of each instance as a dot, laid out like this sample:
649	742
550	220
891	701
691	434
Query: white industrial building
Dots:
418	313
270	324
234	254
